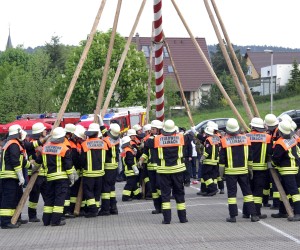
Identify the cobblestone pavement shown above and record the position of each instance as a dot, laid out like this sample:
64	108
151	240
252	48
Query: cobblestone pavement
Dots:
136	228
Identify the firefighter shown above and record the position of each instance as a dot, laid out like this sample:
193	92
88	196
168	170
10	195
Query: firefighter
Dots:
11	175
78	138
286	161
93	159
209	161
270	189
150	155
170	168
261	147
236	158
144	171
139	131
70	129
131	170
57	160
108	195
38	137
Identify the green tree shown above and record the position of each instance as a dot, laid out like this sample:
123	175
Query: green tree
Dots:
58	53
27	88
130	89
171	95
294	82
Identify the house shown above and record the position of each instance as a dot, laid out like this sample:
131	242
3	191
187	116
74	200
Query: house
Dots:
261	68
195	78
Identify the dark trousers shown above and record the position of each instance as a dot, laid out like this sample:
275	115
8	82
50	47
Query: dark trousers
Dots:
39	187
108	195
54	201
257	185
194	166
188	171
209	174
11	194
130	187
290	187
145	179
267	188
155	187
174	183
276	194
243	181
91	193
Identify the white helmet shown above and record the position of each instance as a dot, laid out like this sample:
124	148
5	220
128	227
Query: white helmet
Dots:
38	128
157	124
137	127
271	120
176	129
125	140
14	129
79	131
257	122
94	127
209	130
232	125
147	127
114	129
169	126
212	124
58	132
293	126
286	117
70	128
131	132
24	134
285	127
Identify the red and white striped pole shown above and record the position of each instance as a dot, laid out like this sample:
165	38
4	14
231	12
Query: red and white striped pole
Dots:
159	60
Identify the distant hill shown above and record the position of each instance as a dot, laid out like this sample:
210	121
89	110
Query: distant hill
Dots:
254	48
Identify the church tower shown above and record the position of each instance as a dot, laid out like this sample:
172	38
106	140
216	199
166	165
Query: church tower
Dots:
9	43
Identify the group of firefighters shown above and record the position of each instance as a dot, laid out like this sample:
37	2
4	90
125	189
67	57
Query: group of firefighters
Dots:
73	158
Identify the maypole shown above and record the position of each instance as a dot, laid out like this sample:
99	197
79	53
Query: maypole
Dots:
159	62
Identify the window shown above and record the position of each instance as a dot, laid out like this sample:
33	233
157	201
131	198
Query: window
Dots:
166	54
170	69
145	49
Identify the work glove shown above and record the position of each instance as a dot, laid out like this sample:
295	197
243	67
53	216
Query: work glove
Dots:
45	139
21	178
140	164
34	167
221	171
193	129
202	159
101	123
135	170
269	164
142	145
71	179
250	171
76	176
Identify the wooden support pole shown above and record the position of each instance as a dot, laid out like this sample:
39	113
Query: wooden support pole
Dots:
217	81
282	193
236	61
78	199
107	63
122	60
229	63
187	107
149	79
62	110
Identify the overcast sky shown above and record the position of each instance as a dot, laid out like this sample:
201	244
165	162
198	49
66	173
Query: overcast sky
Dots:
252	22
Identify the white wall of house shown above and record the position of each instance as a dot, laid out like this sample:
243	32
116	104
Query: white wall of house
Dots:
196	96
281	75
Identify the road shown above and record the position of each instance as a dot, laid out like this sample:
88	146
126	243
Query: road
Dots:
136	228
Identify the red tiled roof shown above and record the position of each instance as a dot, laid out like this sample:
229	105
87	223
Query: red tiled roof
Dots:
262	59
190	67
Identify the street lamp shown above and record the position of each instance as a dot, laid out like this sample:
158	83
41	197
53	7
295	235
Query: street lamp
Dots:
271	82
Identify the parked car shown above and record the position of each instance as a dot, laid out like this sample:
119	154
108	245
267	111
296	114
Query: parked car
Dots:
220	121
294	114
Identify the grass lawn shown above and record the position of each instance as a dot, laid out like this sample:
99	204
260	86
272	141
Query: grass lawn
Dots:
279	106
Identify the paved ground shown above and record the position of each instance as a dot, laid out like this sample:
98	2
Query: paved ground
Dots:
136	228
